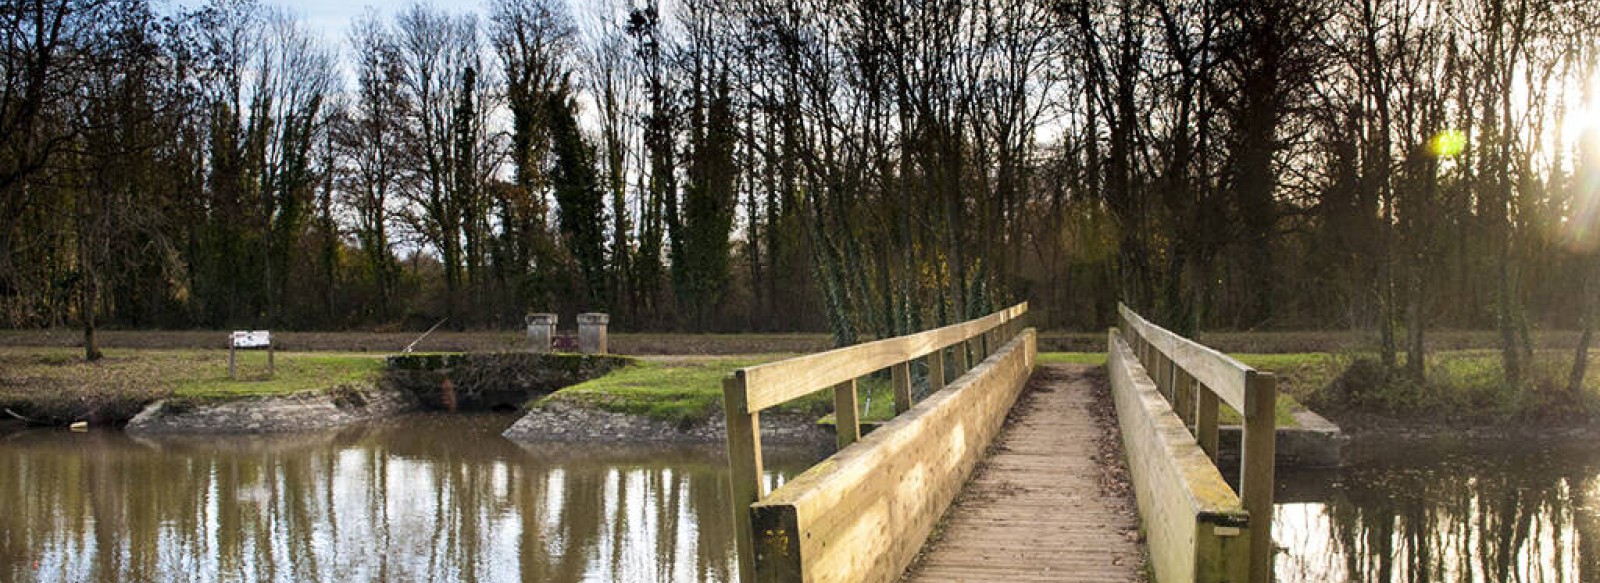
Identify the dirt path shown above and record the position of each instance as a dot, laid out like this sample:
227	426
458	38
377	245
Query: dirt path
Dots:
1051	501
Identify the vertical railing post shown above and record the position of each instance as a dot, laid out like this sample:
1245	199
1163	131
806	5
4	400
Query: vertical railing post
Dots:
744	464
1206	422
936	371
1159	371
900	377
963	357
1181	400
846	418
1256	475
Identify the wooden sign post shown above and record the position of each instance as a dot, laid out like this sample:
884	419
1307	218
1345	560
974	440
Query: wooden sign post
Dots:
248	339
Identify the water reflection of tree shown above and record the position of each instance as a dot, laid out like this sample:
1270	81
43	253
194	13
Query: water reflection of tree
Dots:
388	503
1479	517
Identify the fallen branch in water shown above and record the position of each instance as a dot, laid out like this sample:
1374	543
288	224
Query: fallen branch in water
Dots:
20	417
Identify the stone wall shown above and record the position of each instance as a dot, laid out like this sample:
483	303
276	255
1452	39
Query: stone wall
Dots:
564	421
1316	443
304	411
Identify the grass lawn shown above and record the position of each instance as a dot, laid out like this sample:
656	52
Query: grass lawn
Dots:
1089	358
1462	386
1292	370
295	373
56	384
679	390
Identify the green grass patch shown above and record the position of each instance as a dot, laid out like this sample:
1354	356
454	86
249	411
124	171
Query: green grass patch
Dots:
686	391
1089	358
1293	370
1465	387
57	385
874	400
293	373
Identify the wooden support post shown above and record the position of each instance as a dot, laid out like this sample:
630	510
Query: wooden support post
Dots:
846	419
900	376
1181	393
1256	475
936	371
963	359
744	464
233	364
1191	397
272	370
1206	422
1158	373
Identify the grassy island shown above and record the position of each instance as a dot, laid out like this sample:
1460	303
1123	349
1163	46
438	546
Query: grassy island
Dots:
56	385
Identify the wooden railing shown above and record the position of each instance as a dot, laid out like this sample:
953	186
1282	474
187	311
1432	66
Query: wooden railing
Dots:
1193	379
754	389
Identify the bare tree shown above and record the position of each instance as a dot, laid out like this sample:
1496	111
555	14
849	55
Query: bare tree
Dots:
371	141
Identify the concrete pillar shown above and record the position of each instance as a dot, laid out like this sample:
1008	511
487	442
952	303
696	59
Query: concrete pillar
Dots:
542	332
592	333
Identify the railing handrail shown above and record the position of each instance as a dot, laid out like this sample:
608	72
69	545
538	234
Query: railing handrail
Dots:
1193	377
1224	375
774	383
751	389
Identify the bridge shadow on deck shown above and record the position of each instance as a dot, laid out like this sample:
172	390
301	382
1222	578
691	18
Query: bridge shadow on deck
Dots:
1051	500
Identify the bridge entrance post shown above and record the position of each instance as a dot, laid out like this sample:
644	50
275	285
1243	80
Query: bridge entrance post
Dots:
744	463
1256	475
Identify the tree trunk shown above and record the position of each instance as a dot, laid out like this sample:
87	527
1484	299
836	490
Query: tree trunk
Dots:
1580	356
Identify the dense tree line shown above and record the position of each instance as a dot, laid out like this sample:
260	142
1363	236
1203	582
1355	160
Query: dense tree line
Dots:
867	167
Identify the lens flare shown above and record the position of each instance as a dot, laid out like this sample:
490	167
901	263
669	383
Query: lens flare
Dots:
1582	225
1448	143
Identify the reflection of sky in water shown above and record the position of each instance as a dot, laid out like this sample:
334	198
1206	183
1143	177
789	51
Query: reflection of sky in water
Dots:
1447	515
426	501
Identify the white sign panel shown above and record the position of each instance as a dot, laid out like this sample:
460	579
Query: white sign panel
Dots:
252	338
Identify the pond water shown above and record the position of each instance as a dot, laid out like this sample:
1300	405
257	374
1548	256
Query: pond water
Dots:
419	498
1403	512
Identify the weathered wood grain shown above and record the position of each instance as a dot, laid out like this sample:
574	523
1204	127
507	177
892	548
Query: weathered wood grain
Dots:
862	514
1036	509
1217	371
1181	495
779	382
744	464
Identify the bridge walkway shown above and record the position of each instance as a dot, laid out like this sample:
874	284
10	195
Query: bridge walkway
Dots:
1051	501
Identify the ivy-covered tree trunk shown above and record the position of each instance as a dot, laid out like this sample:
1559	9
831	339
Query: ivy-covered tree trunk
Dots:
580	199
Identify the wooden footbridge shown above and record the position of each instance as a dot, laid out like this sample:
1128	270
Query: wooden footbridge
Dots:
1020	490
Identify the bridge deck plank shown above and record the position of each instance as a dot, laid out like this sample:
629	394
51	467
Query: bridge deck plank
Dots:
1050	502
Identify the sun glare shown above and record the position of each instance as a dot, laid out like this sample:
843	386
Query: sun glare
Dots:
1448	143
1582	127
1584	116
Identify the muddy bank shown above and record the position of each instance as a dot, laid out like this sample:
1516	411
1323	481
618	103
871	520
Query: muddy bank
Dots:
566	421
299	412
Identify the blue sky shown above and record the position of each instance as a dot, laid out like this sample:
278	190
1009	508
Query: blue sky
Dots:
332	17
